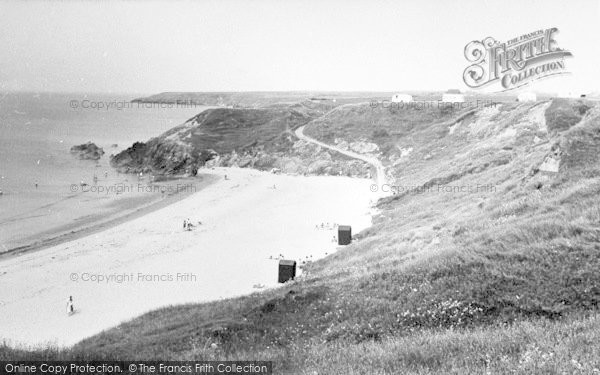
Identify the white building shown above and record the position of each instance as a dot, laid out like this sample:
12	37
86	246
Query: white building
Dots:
453	96
527	97
399	98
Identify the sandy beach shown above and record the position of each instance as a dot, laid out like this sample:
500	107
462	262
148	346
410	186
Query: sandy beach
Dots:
150	261
59	222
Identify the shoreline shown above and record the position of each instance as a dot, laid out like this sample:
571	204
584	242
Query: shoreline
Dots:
73	232
248	220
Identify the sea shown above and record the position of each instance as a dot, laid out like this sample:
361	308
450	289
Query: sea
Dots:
42	183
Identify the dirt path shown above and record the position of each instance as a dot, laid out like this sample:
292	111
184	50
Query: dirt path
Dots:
380	171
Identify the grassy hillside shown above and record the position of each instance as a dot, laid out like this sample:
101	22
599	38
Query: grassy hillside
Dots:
260	138
484	261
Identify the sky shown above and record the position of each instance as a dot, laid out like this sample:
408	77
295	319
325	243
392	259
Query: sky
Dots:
268	45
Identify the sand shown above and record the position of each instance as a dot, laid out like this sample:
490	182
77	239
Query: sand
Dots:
66	216
150	261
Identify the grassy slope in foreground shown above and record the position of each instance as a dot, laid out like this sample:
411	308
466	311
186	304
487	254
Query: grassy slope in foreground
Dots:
502	280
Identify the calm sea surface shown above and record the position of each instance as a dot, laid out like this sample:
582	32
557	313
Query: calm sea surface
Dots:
36	133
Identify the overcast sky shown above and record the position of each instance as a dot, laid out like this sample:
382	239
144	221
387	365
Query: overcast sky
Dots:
240	45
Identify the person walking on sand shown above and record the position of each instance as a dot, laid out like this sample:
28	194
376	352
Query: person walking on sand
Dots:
70	309
184	224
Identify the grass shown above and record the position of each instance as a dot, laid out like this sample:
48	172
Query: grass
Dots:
260	138
214	131
564	113
539	347
499	281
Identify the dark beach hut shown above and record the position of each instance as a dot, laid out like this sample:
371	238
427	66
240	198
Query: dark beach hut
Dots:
287	270
344	234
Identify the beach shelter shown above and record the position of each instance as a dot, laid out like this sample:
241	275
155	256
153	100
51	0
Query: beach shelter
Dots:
344	235
287	270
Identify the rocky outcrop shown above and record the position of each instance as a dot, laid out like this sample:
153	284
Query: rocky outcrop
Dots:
87	151
303	158
360	147
551	162
161	156
247	138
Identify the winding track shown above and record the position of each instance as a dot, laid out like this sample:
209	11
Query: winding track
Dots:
380	171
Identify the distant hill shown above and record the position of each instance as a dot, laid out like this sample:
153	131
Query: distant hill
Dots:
258	98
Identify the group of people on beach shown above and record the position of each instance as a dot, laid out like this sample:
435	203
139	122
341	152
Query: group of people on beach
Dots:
279	257
94	178
326	226
188	225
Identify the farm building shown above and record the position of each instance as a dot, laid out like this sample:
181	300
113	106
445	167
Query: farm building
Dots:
399	98
527	97
453	96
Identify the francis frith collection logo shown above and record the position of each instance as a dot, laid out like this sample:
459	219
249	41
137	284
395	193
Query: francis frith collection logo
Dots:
514	63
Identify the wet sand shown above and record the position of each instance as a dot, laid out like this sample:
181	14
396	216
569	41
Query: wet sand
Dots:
82	213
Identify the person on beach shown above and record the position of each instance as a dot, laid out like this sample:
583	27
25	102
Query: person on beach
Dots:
226	177
185	224
70	309
105	174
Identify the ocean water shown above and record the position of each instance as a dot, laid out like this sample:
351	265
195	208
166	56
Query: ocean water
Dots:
37	131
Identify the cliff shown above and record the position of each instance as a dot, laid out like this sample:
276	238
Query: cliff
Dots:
260	138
